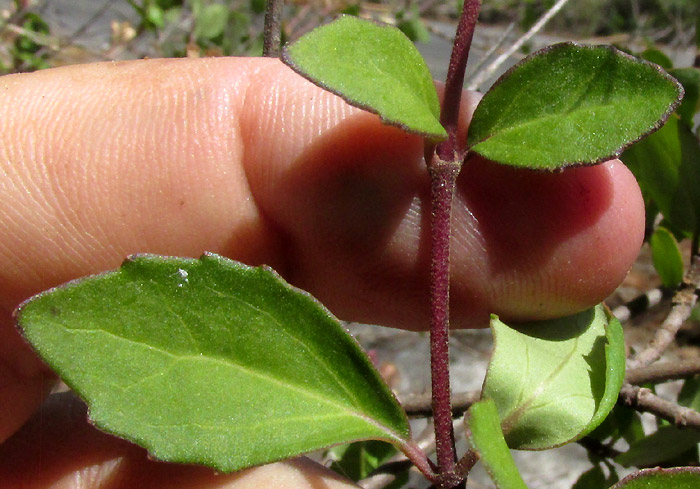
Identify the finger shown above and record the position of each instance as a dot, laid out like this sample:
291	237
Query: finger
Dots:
59	449
244	158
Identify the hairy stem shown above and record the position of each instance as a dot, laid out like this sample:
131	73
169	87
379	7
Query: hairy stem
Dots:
443	177
449	115
273	28
444	167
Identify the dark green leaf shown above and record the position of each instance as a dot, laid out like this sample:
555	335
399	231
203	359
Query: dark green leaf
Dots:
414	28
666	257
658	57
209	361
667	167
257	6
622	422
675	478
372	66
665	444
690	79
358	460
689	396
591	479
571	104
555	381
485	436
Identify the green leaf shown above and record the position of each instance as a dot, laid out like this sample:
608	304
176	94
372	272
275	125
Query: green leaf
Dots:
571	104
689	396
665	444
690	79
211	362
211	21
372	66
666	257
485	436
594	479
667	167
555	381
656	56
257	6
414	28
676	478
622	422
358	460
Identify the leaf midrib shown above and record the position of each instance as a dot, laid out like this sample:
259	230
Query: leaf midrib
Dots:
229	364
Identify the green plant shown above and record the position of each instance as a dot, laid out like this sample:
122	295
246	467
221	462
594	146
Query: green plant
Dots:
152	346
30	36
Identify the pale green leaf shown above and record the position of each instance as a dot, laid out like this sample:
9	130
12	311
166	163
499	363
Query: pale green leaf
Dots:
211	362
666	257
555	381
211	21
571	104
485	436
675	478
372	66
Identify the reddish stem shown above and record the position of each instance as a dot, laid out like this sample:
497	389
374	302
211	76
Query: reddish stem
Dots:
449	115
444	167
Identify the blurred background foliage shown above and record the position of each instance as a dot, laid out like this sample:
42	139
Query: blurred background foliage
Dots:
156	28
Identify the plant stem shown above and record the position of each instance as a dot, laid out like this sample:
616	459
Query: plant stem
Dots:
443	176
449	115
273	28
444	167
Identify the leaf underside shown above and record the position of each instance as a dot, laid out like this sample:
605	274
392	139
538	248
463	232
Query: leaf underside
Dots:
371	66
571	104
555	381
210	362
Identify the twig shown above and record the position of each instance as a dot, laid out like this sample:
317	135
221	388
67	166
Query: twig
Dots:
273	28
419	406
644	400
386	473
485	74
661	372
683	302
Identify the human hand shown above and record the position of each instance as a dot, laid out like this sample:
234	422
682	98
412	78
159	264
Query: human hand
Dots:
243	158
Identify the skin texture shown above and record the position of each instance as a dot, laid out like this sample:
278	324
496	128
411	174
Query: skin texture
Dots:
244	158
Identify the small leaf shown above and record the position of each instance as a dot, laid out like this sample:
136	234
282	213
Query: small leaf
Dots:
676	478
485	436
689	396
211	362
690	79
211	21
666	257
593	479
414	28
665	444
372	66
358	460
571	104
555	381
667	167
656	56
622	422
